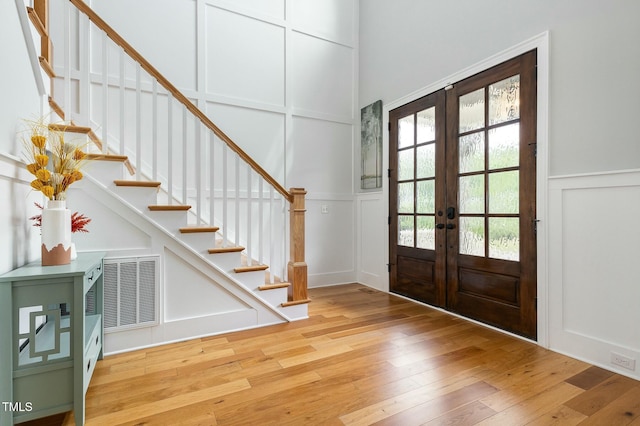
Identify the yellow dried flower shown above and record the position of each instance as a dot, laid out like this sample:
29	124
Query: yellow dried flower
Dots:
53	161
42	160
43	174
33	168
47	191
36	184
39	141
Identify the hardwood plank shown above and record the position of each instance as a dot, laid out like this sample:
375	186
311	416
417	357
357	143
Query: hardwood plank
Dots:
590	377
533	407
166	404
469	414
620	411
439	406
397	404
537	381
562	415
593	400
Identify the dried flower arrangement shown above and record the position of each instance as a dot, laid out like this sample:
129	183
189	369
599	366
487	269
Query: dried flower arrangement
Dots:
54	162
78	221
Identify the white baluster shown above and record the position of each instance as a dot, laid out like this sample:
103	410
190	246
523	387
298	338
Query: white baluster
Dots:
212	187
154	131
105	93
237	191
272	240
184	155
225	227
198	171
249	233
170	147
260	222
122	103
138	124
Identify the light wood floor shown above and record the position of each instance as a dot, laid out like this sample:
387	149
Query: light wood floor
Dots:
363	357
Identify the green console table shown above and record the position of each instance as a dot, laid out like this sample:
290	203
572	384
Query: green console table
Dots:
50	337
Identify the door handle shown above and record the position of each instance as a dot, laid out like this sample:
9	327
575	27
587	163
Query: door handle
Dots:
450	226
440	226
451	213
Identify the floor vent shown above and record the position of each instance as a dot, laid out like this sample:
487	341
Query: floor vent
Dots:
130	292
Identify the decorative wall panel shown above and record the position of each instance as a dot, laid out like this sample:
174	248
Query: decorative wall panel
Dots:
244	57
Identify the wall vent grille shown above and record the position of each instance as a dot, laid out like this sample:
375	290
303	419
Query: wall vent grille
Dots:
131	292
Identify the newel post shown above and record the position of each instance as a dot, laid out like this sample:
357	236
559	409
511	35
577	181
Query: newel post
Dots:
297	267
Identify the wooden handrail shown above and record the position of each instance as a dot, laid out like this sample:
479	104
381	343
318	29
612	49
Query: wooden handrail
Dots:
113	35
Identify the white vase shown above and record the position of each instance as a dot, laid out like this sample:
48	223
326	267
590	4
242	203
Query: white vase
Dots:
56	234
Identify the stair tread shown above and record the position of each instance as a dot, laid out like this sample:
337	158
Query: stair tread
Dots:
295	302
56	108
37	22
169	207
197	229
71	128
46	66
107	157
273	286
137	183
250	268
218	250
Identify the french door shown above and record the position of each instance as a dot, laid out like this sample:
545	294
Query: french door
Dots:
462	197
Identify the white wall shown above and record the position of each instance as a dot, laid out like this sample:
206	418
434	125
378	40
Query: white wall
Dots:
280	78
20	242
593	61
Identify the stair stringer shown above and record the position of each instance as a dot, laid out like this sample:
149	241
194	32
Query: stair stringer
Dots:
94	199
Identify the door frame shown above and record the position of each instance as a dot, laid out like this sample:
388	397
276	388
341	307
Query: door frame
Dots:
541	44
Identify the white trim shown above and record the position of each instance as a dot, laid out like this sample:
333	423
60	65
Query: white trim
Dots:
31	47
541	44
595	174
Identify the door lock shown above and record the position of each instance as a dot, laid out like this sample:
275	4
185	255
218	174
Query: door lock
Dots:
451	213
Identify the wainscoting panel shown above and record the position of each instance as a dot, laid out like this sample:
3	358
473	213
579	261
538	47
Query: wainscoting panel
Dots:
594	267
372	241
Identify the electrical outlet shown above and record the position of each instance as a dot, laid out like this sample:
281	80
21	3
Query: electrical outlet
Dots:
623	361
324	209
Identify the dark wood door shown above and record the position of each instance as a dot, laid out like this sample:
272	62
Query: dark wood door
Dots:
480	201
417	194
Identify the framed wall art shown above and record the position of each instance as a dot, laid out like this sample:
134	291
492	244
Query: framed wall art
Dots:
371	146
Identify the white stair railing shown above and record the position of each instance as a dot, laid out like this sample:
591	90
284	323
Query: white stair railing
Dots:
109	86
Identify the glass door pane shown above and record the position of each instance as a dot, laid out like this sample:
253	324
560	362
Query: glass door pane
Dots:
488	170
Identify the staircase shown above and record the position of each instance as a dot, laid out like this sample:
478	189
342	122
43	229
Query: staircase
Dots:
177	182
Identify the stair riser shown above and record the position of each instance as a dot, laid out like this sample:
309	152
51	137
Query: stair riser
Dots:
296	311
200	242
172	221
225	261
252	279
274	296
105	171
140	198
